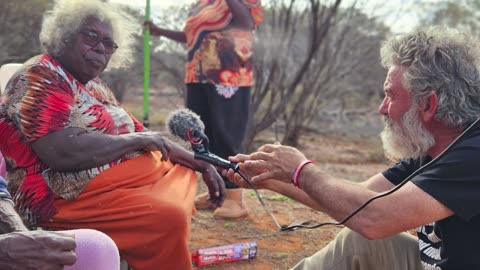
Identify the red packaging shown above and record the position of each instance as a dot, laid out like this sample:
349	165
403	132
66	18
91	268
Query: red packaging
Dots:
223	254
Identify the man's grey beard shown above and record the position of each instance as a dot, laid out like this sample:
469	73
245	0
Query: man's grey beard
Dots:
406	139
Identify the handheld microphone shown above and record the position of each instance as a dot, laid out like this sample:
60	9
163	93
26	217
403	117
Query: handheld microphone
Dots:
188	126
183	122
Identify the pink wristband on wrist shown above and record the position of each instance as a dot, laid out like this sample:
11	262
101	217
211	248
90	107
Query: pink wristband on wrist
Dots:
297	172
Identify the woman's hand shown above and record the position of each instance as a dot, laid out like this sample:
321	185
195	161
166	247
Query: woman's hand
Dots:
177	36
214	182
152	27
215	185
152	141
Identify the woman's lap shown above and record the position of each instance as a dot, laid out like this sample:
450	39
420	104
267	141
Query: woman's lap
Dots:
144	205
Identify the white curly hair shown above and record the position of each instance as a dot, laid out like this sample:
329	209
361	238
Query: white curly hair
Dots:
67	16
444	61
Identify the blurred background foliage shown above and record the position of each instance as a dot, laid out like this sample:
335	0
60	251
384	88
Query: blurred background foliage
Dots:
317	65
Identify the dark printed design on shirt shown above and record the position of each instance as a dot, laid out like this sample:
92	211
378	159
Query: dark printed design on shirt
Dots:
430	244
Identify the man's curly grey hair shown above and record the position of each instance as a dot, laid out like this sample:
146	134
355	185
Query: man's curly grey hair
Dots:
67	17
443	61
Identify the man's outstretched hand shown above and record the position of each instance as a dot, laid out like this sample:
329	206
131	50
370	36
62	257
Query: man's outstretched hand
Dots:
269	162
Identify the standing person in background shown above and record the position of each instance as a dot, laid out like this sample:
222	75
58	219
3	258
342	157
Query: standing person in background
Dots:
219	76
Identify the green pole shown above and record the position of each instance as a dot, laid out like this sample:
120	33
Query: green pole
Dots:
146	67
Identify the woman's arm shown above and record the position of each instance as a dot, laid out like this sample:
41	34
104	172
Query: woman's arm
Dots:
76	149
177	36
241	15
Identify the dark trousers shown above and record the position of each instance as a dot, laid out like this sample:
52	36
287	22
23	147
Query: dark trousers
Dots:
225	119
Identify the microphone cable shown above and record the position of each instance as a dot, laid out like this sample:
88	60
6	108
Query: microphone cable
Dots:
281	227
361	207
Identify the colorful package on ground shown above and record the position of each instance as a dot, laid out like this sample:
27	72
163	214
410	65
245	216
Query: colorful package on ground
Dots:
222	254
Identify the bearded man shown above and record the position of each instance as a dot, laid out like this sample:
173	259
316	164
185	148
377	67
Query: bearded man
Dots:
431	106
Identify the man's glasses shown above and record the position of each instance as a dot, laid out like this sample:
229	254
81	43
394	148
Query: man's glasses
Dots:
93	39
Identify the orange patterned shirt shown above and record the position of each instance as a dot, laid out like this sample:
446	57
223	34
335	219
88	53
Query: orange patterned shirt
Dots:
217	52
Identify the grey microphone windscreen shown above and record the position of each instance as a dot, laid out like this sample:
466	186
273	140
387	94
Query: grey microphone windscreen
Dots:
181	120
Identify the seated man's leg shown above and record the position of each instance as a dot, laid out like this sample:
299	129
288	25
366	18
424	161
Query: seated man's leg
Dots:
351	251
95	251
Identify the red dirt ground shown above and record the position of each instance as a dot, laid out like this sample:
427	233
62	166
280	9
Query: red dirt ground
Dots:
282	250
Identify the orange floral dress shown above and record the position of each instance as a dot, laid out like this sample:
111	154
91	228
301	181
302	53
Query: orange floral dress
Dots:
218	53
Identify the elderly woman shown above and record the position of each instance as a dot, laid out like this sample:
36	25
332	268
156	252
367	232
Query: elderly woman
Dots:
77	159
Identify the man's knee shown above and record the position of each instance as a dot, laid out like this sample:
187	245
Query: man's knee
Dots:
353	241
350	250
330	254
